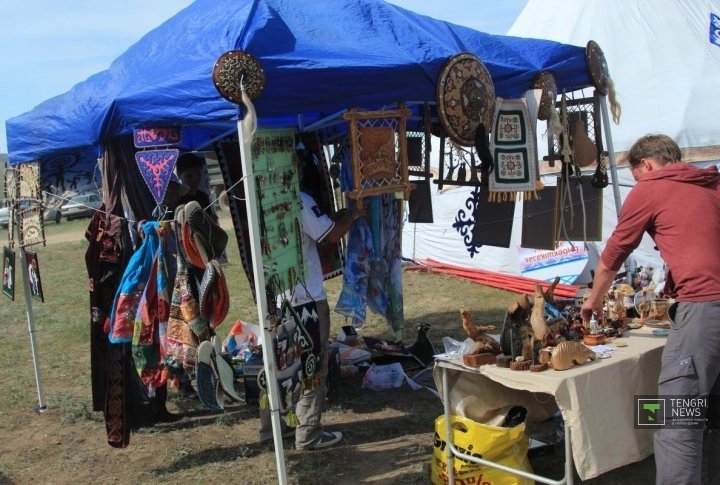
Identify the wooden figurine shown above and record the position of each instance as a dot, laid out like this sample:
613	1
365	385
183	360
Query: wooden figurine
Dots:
566	354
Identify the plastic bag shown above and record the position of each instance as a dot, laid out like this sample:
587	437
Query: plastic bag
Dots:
507	446
379	377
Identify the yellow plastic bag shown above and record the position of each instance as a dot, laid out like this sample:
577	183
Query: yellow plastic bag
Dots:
507	446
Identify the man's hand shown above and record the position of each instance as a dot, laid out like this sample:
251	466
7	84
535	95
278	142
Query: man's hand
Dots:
589	307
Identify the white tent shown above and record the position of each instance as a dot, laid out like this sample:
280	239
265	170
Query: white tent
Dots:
666	71
661	57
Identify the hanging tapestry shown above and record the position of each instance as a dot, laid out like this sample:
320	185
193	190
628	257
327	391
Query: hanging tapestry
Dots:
514	151
32	230
11	183
157	137
8	281
29	181
34	276
156	167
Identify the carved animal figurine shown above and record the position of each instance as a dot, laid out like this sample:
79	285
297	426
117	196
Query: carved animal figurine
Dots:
473	330
483	342
566	354
537	316
549	294
644	305
516	328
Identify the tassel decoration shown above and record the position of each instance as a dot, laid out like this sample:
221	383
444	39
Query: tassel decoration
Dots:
615	108
291	419
264	400
249	122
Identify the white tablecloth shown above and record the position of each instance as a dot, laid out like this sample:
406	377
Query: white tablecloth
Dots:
596	399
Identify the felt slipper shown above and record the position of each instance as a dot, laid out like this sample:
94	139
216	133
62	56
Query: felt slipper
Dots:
224	370
214	237
206	380
213	295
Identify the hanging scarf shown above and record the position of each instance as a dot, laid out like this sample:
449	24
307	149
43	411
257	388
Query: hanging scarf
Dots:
132	285
151	320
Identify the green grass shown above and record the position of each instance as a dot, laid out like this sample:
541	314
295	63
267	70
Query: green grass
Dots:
62	332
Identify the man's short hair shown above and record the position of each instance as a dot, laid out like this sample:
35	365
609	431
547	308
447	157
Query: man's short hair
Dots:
188	161
662	148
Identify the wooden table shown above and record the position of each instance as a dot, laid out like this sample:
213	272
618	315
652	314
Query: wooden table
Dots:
597	401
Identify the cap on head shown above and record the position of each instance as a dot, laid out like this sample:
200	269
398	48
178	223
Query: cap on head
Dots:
188	161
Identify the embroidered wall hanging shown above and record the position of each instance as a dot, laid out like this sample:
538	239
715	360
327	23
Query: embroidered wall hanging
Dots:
515	173
8	281
29	181
157	137
32	230
156	167
36	291
11	183
378	147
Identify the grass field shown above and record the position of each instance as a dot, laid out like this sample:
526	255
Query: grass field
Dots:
388	435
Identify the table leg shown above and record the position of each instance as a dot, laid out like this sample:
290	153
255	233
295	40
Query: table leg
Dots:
569	468
448	427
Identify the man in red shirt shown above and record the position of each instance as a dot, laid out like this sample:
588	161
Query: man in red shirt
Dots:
678	205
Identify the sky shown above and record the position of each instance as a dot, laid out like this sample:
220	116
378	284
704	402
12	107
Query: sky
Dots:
47	46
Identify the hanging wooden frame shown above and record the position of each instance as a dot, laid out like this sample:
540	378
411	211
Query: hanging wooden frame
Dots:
418	154
458	165
587	111
378	152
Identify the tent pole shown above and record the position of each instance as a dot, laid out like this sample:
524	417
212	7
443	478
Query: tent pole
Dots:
42	407
259	276
611	154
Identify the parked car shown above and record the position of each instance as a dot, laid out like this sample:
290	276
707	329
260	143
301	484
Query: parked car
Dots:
4	216
81	206
5	211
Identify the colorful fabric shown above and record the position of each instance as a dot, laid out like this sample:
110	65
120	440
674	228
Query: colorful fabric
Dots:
151	326
373	274
132	285
186	328
514	150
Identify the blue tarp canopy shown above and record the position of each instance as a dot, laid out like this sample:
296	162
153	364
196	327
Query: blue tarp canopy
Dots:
319	58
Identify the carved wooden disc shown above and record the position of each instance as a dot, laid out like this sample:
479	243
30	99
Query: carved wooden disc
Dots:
545	81
231	68
597	65
465	97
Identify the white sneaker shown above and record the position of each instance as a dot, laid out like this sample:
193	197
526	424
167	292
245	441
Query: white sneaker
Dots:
328	438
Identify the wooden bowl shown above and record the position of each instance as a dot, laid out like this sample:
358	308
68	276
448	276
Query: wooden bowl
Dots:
476	360
594	339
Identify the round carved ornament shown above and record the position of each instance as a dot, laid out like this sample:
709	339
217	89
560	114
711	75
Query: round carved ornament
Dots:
545	81
235	68
465	97
597	66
